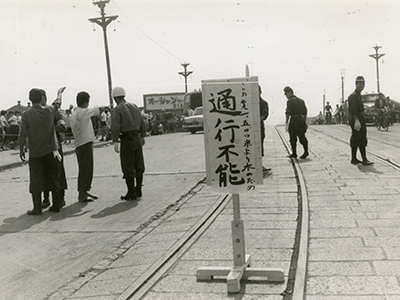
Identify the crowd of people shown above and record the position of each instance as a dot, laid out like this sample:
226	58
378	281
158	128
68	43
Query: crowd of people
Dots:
339	116
10	124
157	122
44	128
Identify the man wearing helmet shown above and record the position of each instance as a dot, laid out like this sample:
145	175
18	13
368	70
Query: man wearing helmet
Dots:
128	130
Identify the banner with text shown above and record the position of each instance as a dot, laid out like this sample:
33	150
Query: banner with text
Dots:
167	101
232	134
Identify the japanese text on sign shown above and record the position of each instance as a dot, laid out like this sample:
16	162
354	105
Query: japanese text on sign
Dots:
232	134
163	101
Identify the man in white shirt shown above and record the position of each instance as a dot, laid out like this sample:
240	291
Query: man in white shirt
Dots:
82	129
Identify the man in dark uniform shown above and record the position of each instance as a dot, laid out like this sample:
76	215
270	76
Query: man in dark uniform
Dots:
296	116
264	112
358	137
129	127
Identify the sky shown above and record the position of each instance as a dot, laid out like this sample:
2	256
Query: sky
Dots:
306	44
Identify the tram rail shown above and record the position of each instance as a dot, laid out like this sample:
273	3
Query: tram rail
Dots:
301	250
300	278
386	160
143	284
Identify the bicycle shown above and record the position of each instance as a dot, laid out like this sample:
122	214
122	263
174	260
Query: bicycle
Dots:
382	120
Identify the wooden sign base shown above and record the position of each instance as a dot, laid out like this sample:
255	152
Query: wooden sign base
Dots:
241	262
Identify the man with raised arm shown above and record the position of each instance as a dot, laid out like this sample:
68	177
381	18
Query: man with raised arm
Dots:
38	126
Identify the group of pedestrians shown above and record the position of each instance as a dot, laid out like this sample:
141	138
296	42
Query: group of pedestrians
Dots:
10	123
42	126
296	116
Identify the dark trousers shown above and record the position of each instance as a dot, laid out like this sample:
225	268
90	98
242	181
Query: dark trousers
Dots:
44	174
262	138
359	137
131	155
84	154
297	129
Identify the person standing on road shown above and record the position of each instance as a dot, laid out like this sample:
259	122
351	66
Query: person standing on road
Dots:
296	116
59	126
264	112
44	158
328	113
4	126
358	137
128	126
82	129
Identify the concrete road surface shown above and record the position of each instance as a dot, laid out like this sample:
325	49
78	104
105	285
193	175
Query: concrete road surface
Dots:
39	254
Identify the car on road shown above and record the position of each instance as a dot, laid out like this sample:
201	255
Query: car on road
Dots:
370	112
194	122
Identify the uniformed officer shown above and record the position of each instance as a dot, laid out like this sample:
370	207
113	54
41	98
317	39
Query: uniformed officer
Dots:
358	137
296	116
129	129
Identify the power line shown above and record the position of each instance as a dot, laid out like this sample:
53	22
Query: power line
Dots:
144	33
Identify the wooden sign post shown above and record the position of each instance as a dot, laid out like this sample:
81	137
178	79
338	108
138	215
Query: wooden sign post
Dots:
232	138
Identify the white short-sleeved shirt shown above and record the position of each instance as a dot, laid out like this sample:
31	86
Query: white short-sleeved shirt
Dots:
81	125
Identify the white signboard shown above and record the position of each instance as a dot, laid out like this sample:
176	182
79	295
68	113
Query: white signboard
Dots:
165	101
232	134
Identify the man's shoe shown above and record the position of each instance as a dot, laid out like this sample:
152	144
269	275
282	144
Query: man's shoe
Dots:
85	199
356	161
128	197
45	203
305	154
367	162
91	196
34	212
54	208
62	203
293	155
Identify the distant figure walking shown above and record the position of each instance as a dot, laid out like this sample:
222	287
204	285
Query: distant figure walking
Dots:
296	116
358	137
328	113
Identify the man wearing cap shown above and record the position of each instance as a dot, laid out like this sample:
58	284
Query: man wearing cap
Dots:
128	127
358	137
296	116
82	129
37	124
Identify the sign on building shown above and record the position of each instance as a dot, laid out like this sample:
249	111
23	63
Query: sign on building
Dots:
232	134
166	101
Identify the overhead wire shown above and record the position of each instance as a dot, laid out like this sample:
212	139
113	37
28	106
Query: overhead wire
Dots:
144	33
149	38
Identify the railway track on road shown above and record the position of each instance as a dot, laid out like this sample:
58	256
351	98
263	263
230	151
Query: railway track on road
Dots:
145	282
388	160
302	247
302	240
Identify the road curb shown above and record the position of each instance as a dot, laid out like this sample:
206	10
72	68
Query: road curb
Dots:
22	163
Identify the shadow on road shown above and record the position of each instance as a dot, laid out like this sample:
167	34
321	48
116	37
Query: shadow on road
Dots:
21	223
116	209
369	169
24	222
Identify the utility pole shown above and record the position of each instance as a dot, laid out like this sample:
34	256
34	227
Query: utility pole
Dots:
185	74
103	22
377	56
342	76
323	102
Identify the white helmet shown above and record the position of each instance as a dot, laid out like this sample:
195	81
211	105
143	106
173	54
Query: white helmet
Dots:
118	92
